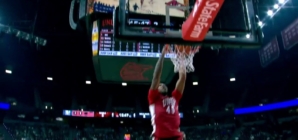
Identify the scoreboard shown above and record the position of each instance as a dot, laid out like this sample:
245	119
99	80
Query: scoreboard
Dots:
121	60
108	46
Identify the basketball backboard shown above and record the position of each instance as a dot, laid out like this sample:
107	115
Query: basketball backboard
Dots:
161	21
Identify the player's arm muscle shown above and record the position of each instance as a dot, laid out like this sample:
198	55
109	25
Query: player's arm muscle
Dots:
157	71
181	81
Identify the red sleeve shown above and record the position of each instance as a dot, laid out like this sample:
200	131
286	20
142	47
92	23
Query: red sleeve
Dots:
152	95
177	95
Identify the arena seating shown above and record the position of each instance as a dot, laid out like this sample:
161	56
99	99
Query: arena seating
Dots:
47	131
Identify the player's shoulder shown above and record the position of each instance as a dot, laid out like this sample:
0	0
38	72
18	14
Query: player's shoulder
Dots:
153	90
153	93
176	91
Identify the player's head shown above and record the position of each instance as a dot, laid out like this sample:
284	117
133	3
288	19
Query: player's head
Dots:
163	89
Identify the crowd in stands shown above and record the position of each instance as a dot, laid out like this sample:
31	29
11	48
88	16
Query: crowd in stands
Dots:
43	131
36	131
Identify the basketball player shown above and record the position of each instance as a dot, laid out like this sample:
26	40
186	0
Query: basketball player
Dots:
151	2
172	3
164	106
142	2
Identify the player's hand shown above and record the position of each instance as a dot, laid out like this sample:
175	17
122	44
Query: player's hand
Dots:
182	67
165	49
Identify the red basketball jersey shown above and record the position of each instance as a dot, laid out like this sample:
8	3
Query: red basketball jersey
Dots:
164	112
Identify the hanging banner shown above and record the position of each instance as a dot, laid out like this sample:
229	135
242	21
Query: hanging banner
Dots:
269	53
95	39
290	35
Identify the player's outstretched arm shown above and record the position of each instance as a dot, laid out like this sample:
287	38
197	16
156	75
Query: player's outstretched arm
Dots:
158	70
181	81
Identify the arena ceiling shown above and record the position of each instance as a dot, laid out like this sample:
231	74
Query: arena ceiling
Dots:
67	59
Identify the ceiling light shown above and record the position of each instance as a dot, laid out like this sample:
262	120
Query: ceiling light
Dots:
124	84
232	36
232	79
195	83
21	116
269	12
260	23
59	119
50	78
8	71
88	82
248	36
281	1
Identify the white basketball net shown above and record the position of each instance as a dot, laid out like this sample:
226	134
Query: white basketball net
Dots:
182	57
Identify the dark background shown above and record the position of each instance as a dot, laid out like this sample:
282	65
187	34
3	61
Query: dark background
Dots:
68	59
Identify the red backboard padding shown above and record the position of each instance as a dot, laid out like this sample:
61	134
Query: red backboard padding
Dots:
201	18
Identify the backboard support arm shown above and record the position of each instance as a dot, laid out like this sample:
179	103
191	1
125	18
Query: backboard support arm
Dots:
224	41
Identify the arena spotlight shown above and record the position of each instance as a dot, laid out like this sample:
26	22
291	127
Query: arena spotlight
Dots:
88	82
276	8
195	83
14	103
232	36
281	1
8	71
50	78
232	79
21	116
124	84
59	119
270	13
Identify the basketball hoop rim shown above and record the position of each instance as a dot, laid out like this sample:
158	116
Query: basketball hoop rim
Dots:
194	48
182	56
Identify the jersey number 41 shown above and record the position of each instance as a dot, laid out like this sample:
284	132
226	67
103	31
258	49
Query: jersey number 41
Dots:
170	109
